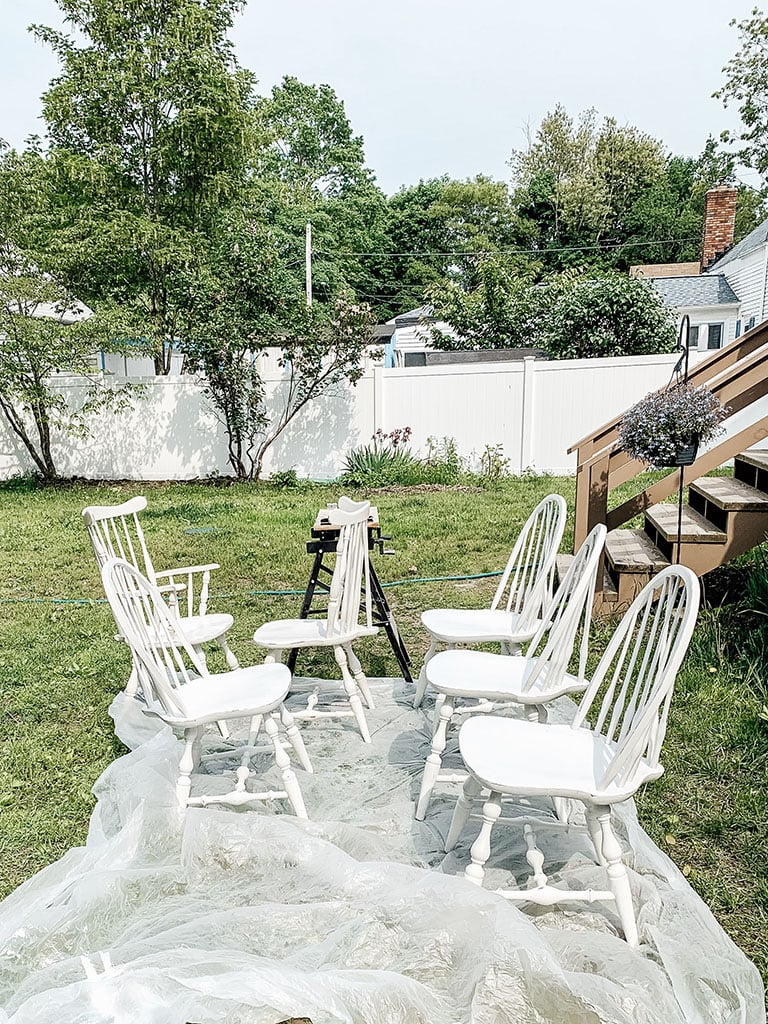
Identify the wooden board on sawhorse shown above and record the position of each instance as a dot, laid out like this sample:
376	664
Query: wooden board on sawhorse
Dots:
324	540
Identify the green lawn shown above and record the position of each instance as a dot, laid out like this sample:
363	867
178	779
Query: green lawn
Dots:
60	667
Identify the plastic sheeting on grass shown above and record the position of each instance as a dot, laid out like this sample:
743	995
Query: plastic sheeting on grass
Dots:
250	916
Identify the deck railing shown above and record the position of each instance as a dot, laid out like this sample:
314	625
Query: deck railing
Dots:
738	375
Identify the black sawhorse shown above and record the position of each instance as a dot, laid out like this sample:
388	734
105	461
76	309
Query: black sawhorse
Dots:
324	542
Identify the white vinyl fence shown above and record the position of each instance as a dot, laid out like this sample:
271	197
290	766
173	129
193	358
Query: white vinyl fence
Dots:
534	409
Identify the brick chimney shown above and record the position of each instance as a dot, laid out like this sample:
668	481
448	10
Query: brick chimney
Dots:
719	224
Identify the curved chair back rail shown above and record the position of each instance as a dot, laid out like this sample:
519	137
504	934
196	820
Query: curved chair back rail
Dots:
637	673
526	583
571	607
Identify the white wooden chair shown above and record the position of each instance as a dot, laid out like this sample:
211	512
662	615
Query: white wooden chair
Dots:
534	679
342	625
523	592
115	532
600	765
179	689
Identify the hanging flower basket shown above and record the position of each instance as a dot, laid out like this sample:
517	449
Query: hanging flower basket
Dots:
686	455
667	427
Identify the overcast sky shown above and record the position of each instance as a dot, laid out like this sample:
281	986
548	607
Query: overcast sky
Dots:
449	86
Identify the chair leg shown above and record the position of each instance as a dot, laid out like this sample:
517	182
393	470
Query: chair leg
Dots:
231	660
435	759
618	879
595	832
273	657
283	763
353	694
201	654
132	686
253	731
187	765
421	685
439	701
461	811
296	739
360	679
480	850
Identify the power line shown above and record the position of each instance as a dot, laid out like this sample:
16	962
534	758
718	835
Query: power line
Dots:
504	252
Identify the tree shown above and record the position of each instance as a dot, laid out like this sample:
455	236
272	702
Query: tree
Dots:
151	126
612	315
572	315
245	301
576	183
746	86
42	332
310	166
499	313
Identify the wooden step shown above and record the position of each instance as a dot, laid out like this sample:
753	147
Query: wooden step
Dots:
695	529
728	494
757	458
633	551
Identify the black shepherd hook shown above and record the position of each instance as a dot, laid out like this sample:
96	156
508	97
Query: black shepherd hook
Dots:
682	365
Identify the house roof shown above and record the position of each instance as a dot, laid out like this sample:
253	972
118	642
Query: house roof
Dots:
414	316
698	290
750	242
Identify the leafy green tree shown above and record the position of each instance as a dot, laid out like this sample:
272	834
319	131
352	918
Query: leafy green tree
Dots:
577	182
571	315
151	128
310	166
441	229
42	332
245	300
499	313
746	87
586	317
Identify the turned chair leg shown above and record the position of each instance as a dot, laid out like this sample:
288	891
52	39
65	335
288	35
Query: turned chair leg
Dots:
435	760
296	739
618	879
273	657
360	678
480	850
283	763
421	685
353	694
470	791
231	660
187	764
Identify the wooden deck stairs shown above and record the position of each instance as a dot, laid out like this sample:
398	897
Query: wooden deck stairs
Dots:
724	515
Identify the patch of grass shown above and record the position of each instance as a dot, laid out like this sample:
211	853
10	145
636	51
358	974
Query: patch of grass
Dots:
60	667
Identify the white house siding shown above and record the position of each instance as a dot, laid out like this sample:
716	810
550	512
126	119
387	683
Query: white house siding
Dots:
703	316
747	276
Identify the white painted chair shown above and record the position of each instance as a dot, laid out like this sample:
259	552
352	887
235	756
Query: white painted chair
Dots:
523	592
533	679
600	765
179	690
115	532
342	625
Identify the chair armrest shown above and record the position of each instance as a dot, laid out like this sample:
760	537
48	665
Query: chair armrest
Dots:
184	569
188	589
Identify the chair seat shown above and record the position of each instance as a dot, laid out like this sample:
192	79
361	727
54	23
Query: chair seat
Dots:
283	634
511	756
475	625
200	629
494	676
239	694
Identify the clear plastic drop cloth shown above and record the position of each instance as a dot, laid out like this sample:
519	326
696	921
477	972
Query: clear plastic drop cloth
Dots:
250	916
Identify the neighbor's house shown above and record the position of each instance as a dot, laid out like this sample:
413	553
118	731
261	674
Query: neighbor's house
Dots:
726	293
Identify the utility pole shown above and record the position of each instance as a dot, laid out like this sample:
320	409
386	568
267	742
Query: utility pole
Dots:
308	262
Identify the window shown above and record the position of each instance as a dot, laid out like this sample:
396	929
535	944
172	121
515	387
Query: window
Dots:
715	336
738	329
693	337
